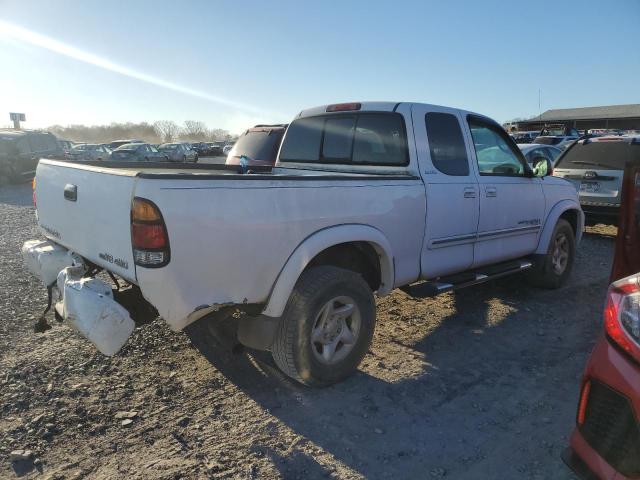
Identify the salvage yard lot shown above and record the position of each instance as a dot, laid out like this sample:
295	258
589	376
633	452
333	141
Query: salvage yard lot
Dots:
478	384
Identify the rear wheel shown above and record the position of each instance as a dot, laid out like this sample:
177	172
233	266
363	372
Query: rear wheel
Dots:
327	326
553	269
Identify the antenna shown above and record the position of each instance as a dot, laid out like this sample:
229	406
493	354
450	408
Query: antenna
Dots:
539	109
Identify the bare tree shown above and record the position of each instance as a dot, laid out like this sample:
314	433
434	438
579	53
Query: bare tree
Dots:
167	130
194	130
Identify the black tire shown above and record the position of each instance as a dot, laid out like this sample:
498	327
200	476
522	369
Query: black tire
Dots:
545	273
293	349
146	159
195	159
184	159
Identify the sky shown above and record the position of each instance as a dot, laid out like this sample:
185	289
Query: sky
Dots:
234	64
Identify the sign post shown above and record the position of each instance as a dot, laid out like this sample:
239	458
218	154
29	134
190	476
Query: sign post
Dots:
17	118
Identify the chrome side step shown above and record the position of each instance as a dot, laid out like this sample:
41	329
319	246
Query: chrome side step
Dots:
431	288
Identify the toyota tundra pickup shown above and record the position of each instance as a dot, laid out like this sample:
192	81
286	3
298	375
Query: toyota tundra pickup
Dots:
364	198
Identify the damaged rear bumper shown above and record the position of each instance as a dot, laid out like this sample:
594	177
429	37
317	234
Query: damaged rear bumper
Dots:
86	303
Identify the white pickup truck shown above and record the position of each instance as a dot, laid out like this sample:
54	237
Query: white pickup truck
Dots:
364	198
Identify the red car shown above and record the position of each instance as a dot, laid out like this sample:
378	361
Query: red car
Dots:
606	441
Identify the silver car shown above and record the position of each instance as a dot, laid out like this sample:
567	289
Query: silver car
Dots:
88	152
179	152
596	167
532	151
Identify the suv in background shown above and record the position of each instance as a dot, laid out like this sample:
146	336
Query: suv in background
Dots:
259	145
524	137
596	166
20	151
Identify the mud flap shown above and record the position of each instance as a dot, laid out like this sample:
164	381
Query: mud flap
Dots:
88	305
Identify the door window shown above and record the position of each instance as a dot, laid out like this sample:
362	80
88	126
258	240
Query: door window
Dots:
448	152
494	153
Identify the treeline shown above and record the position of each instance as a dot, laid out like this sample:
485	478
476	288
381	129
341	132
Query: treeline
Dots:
159	132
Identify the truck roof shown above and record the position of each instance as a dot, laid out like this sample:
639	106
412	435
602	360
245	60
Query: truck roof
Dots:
377	107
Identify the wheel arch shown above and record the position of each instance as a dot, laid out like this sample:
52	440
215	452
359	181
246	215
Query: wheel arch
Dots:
568	210
328	247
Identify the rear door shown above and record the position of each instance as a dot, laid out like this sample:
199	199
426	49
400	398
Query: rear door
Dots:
87	210
451	191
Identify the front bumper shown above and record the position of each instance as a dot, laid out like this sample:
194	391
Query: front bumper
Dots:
86	303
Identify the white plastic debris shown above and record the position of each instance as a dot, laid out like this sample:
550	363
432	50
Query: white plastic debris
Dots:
88	305
46	259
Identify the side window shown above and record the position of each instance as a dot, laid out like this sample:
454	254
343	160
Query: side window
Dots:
23	146
338	135
446	144
154	149
494	153
52	143
38	143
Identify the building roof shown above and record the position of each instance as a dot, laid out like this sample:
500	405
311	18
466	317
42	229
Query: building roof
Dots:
590	113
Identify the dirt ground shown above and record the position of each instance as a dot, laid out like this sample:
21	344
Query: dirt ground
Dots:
482	383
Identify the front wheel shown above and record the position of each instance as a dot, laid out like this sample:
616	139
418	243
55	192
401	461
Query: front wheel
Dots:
553	268
326	328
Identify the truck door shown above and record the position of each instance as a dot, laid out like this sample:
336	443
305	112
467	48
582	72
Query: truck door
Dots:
512	205
451	191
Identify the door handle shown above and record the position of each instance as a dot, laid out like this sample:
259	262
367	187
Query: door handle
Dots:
469	193
491	191
71	192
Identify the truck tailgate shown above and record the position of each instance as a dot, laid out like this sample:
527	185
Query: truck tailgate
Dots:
87	210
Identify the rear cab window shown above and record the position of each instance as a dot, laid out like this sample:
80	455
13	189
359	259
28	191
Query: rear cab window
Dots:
446	144
603	155
363	138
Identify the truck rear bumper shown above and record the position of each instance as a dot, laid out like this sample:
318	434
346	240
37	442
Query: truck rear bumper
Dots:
86	303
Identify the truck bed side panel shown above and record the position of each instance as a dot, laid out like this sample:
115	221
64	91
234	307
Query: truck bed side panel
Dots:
230	240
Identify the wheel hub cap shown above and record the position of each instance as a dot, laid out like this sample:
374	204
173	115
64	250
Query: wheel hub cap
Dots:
335	330
560	254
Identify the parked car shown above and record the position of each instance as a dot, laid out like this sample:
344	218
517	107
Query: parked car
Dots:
226	149
203	149
595	166
89	152
217	149
138	152
66	146
259	145
524	137
558	141
532	151
118	143
364	198
605	443
20	151
178	152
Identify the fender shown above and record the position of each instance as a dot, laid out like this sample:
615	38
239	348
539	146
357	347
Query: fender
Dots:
316	243
552	218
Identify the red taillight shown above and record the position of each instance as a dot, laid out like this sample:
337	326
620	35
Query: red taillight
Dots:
149	236
344	107
33	186
146	236
584	399
622	315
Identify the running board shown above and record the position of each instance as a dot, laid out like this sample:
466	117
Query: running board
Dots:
473	277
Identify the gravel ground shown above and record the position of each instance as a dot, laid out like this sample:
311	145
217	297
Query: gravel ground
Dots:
478	384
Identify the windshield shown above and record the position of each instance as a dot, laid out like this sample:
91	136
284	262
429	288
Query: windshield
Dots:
603	155
258	145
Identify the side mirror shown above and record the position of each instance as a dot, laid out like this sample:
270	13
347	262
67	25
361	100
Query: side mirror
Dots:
542	167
